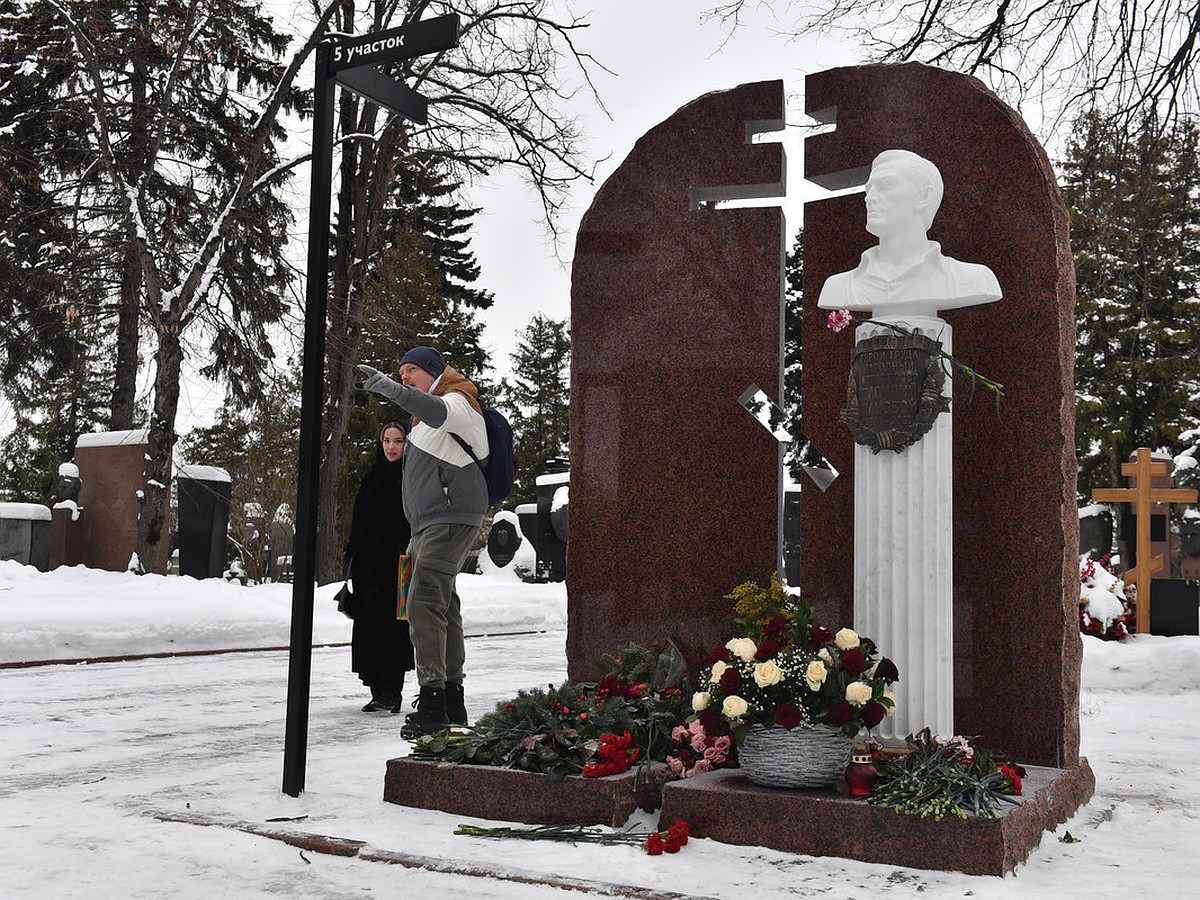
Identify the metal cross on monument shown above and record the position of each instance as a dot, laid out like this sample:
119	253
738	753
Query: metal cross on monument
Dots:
1143	497
351	62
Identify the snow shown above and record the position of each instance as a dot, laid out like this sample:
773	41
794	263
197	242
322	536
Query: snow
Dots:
30	512
203	473
103	763
109	438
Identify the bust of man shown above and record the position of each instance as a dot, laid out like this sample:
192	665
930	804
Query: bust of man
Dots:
907	273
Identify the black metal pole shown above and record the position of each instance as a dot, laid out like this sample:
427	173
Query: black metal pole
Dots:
304	568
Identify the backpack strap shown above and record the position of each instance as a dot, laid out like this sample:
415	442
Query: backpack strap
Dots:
467	447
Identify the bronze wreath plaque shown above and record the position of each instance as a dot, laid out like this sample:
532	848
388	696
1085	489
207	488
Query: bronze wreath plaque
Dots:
895	390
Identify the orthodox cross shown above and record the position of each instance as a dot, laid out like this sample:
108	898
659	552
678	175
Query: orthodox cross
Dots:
1142	497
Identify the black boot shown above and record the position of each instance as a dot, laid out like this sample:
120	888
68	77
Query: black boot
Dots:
378	702
430	716
456	706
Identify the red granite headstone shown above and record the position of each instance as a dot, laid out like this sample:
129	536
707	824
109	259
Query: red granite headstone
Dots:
112	467
675	309
1017	649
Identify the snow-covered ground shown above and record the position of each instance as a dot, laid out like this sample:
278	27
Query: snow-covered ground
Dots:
102	764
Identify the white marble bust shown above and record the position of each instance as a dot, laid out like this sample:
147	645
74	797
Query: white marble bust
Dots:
907	273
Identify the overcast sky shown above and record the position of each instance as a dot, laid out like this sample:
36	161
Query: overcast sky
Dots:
664	56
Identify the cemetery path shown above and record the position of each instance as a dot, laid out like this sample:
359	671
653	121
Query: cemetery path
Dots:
105	768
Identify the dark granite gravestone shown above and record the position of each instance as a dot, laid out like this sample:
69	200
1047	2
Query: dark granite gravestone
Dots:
503	541
25	534
1095	533
204	494
1014	468
551	544
1176	607
675	309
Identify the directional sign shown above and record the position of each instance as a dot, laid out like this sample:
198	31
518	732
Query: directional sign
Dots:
405	42
395	95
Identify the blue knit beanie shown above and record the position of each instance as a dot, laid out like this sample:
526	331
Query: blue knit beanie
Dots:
426	358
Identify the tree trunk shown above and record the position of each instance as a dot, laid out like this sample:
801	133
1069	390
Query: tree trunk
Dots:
124	390
152	533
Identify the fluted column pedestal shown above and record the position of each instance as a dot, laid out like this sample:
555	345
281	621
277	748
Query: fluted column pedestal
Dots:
904	560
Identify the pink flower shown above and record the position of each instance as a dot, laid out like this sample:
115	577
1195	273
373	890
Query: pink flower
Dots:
679	734
723	743
838	319
702	765
676	767
698	744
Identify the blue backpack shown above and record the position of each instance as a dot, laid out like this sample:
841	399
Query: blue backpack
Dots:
499	469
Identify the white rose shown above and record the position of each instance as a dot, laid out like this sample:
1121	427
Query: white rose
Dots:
742	648
815	675
700	701
857	693
718	668
824	654
734	707
891	710
845	639
767	674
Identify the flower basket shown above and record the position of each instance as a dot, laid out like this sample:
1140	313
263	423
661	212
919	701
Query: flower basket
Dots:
794	758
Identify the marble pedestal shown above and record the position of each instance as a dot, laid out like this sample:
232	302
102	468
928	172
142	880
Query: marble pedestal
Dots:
904	560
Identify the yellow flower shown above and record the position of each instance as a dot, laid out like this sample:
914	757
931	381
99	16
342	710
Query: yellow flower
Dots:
767	674
845	639
734	707
815	675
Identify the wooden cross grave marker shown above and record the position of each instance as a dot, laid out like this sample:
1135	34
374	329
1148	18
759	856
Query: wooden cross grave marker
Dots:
1142	497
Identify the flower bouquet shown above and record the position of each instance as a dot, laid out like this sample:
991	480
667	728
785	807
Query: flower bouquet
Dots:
946	775
787	673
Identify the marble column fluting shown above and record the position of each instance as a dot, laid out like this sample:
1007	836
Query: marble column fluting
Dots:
904	559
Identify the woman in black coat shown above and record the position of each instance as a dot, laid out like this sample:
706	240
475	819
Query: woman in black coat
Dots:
381	650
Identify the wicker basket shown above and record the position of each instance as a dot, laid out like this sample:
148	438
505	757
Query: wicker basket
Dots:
801	757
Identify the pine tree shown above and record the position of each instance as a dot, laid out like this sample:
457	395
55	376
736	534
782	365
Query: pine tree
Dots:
1135	233
176	175
419	289
537	400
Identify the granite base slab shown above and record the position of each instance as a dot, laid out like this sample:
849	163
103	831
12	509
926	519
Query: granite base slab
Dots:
724	806
508	795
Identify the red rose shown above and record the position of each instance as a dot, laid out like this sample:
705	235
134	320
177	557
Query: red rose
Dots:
853	661
721	654
788	715
867	645
841	713
873	713
766	650
711	720
776	627
731	680
819	634
887	671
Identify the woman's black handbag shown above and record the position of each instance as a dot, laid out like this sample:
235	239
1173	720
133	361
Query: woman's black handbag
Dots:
345	601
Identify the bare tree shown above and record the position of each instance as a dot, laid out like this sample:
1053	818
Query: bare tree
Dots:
195	200
1128	56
